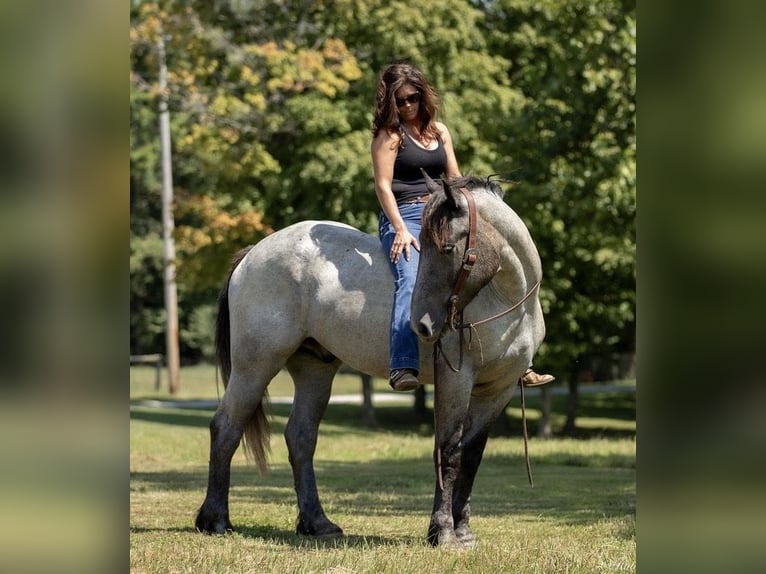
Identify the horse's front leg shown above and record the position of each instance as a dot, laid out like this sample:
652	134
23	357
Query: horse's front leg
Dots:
313	382
451	396
447	455
473	450
482	413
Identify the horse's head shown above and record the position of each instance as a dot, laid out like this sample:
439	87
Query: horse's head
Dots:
451	273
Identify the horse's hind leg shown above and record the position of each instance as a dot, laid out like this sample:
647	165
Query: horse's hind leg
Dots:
213	515
239	403
313	376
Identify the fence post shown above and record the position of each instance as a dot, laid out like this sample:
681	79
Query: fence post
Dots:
368	412
157	360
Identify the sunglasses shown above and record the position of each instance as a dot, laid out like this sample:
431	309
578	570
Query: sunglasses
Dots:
411	99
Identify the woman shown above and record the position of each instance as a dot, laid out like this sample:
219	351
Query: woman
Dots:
406	139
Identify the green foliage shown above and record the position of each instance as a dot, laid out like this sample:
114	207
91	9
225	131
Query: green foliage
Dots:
271	109
197	333
146	304
572	150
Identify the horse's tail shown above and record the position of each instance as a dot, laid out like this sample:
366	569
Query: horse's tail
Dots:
257	431
222	331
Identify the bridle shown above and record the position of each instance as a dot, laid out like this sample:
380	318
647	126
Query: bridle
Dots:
469	259
455	317
455	323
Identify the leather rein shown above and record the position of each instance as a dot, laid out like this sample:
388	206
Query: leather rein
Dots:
455	322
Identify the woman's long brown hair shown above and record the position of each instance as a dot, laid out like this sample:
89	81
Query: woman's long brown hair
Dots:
386	115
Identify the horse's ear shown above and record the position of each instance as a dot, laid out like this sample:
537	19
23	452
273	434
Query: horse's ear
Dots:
494	186
452	199
431	185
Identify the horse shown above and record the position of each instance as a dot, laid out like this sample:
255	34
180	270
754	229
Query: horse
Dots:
317	294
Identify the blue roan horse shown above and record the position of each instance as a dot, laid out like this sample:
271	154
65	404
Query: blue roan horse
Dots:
316	294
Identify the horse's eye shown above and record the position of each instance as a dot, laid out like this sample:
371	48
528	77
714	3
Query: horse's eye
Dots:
448	248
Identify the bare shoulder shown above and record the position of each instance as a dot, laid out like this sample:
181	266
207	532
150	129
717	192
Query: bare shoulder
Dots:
386	140
444	132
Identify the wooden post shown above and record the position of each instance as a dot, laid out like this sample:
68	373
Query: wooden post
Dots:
156	360
421	412
368	411
570	425
544	429
168	224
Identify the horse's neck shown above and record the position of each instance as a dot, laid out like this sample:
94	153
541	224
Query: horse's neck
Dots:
508	285
520	267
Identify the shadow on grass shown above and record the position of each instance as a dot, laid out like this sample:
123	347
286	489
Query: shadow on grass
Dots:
572	494
340	418
179	417
290	538
276	487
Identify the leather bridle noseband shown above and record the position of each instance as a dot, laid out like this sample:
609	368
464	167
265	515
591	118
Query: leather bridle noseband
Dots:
455	323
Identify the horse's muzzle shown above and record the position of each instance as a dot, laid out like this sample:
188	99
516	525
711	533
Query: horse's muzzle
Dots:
424	327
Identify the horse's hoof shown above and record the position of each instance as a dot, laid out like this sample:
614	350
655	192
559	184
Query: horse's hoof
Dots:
448	541
445	538
320	529
433	536
469	543
211	525
465	536
337	532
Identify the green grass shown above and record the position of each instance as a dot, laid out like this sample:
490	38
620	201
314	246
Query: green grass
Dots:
377	484
609	414
199	382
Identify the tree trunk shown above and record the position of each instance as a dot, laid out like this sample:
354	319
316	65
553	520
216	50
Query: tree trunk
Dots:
544	429
569	426
368	411
420	402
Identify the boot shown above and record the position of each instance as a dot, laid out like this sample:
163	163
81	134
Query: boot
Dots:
532	379
404	380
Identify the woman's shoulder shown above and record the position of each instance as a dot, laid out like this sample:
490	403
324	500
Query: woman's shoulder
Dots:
387	138
444	134
442	128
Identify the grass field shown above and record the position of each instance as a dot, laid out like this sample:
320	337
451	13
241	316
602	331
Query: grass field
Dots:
377	484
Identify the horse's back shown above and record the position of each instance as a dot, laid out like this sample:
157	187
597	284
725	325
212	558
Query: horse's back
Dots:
316	279
316	254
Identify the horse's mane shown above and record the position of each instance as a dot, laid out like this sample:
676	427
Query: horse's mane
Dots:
436	221
472	182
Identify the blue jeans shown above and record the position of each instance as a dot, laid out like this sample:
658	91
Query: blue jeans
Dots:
404	342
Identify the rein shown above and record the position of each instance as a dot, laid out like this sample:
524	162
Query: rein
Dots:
455	322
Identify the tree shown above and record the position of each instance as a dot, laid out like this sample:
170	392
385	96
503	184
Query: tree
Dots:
272	114
572	148
272	111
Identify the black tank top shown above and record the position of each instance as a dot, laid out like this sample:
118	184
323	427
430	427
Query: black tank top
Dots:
408	182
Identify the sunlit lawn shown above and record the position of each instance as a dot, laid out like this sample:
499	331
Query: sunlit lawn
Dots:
377	483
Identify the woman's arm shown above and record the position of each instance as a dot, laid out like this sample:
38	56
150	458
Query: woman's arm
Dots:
384	149
452	170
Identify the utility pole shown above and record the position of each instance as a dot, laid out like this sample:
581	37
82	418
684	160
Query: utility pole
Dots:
168	224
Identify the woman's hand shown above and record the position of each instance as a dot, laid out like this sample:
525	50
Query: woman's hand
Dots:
402	242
